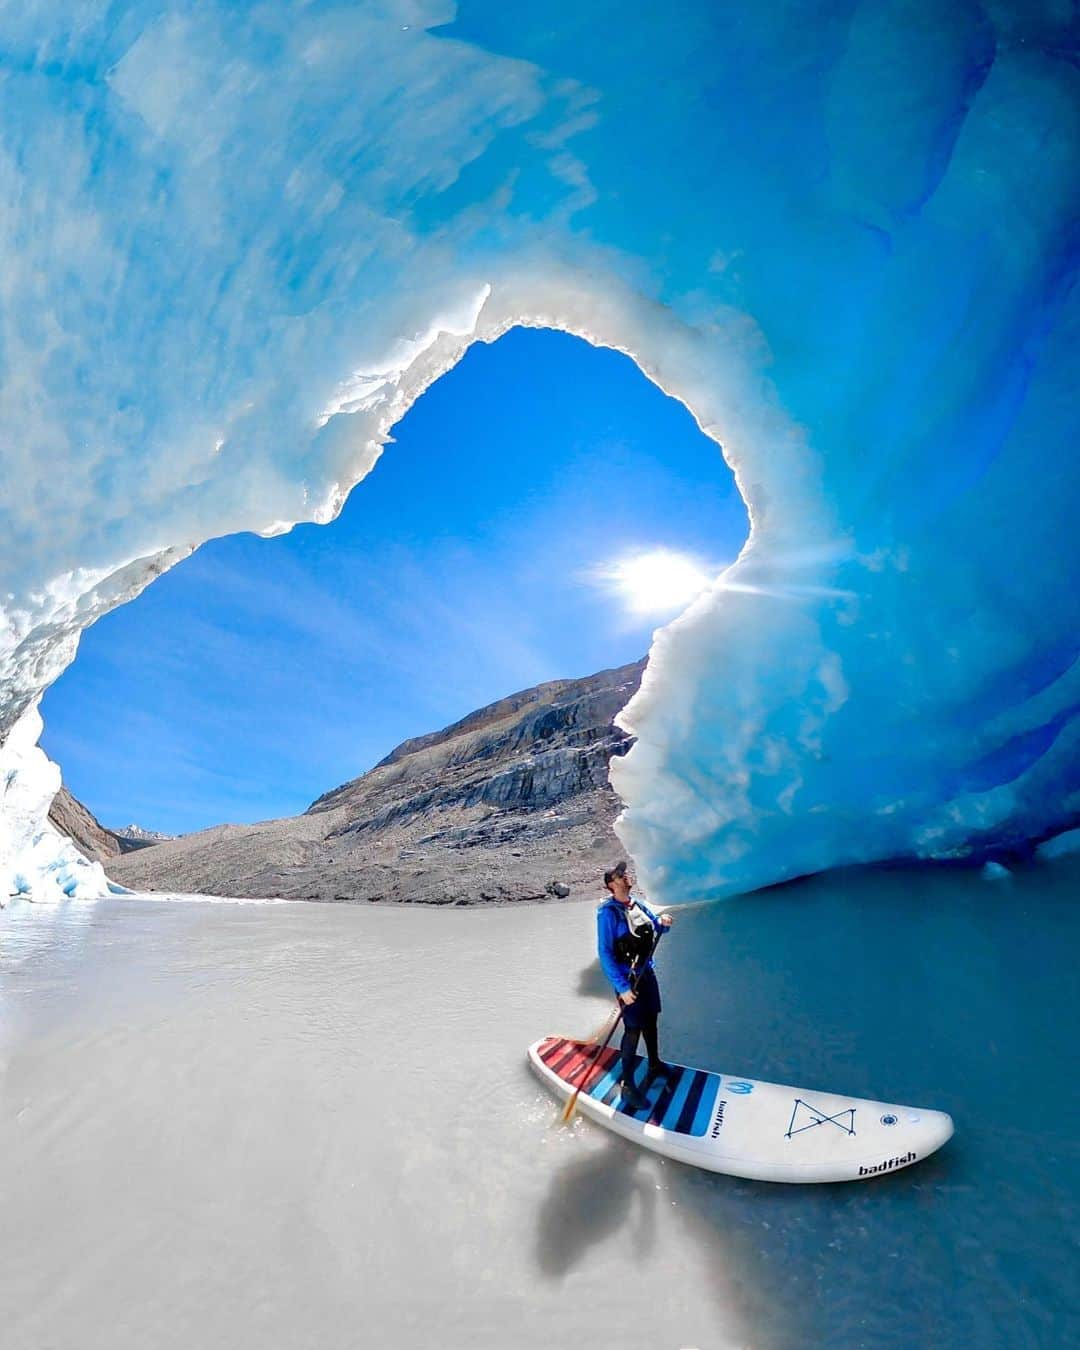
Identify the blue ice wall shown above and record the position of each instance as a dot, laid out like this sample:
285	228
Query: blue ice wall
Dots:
244	238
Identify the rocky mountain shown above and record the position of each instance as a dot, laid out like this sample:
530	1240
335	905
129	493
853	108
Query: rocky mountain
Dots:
510	803
88	834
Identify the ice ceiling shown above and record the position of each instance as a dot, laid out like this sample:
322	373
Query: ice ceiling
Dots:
240	240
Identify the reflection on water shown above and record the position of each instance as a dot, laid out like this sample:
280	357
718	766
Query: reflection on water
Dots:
928	987
610	1193
592	983
313	1125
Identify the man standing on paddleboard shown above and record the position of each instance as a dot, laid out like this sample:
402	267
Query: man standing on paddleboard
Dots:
627	934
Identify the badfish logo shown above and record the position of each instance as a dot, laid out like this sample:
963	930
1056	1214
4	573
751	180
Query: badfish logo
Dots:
889	1119
718	1122
888	1165
739	1086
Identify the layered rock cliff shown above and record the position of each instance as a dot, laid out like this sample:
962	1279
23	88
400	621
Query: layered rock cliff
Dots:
510	803
83	828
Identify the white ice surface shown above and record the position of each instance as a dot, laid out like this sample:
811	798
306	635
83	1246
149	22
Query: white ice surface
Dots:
242	241
43	864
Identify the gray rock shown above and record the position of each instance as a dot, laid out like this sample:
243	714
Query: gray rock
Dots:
85	831
487	810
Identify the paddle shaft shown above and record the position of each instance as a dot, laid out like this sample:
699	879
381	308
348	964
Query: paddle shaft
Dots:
569	1110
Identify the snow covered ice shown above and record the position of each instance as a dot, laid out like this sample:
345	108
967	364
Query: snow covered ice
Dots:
242	241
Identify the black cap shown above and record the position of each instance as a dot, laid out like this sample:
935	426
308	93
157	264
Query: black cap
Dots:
619	870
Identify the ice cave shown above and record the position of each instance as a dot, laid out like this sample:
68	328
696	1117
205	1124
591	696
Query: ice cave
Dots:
245	240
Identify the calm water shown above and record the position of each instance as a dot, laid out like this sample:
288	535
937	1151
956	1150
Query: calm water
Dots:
292	1126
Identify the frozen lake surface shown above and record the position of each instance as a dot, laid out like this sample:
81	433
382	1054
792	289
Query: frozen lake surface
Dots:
312	1126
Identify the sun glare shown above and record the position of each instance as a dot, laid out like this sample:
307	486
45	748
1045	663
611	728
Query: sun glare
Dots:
656	583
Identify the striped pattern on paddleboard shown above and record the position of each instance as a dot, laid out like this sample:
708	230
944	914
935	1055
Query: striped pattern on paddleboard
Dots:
682	1104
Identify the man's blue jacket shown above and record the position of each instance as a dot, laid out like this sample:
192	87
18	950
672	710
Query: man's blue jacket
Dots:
612	924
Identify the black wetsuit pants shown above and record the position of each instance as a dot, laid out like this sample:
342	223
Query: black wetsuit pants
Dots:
639	1019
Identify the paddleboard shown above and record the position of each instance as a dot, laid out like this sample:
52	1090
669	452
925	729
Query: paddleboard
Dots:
740	1126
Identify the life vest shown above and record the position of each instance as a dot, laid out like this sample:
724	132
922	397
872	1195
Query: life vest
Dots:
635	946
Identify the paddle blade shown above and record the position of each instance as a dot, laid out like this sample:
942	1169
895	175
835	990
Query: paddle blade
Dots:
569	1110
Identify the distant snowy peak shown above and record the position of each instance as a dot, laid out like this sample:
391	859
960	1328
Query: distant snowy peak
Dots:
135	834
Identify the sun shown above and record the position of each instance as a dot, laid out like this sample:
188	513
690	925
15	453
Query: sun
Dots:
655	583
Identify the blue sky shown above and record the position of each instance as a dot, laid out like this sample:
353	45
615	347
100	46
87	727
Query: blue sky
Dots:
262	672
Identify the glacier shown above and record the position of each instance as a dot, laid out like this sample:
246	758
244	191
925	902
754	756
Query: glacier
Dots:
242	240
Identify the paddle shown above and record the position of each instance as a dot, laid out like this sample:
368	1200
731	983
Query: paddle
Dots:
571	1106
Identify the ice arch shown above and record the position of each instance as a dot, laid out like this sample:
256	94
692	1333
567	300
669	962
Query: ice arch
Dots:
844	234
